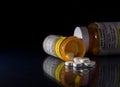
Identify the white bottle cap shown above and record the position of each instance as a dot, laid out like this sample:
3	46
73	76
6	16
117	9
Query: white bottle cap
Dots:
78	33
82	33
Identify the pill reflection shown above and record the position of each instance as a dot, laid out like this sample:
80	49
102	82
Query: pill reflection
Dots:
66	76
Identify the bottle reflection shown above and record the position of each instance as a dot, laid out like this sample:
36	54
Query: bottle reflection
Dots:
67	76
107	72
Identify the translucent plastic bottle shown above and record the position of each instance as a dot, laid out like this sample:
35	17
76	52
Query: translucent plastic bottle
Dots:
65	48
101	38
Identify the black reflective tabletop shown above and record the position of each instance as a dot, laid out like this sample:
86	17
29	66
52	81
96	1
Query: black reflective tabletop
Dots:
23	68
106	72
28	68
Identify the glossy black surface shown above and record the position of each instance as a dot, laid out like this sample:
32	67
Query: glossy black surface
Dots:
24	68
106	72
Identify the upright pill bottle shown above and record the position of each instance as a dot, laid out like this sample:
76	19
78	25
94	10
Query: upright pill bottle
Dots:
65	48
100	38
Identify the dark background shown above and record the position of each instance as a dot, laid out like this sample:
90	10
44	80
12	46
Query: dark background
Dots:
23	28
27	25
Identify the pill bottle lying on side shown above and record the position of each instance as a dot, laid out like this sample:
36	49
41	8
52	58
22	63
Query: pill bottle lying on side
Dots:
65	48
100	38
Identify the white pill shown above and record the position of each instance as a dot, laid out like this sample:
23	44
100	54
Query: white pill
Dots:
76	59
77	64
70	55
81	60
89	64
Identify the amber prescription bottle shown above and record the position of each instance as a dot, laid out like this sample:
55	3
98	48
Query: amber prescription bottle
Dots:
65	48
101	38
